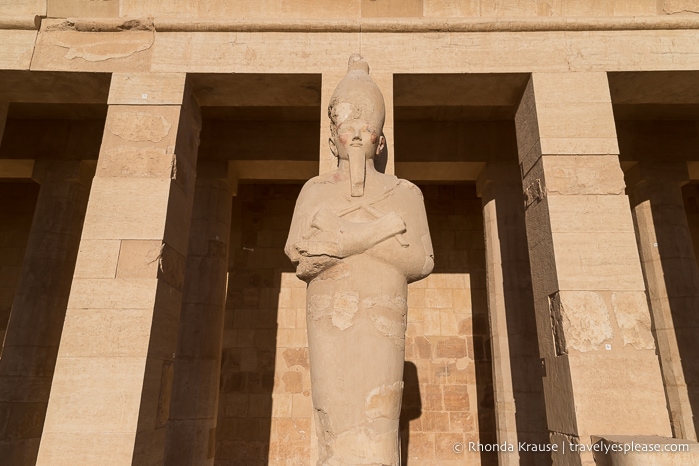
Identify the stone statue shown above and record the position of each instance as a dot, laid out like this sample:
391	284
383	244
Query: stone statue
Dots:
358	237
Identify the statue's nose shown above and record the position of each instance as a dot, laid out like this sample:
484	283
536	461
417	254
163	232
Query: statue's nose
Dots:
357	134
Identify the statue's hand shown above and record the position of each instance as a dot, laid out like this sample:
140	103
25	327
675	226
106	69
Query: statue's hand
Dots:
390	224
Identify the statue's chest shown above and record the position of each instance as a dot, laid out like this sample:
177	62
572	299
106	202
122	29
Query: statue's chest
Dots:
360	210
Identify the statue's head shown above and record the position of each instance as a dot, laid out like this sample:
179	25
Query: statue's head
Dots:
357	114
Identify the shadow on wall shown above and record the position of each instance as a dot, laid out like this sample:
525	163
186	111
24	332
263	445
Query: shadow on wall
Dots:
248	423
525	361
684	292
411	407
448	336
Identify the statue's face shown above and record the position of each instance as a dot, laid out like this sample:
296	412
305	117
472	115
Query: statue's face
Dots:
353	134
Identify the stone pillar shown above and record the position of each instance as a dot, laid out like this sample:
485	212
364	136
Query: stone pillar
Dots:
385	83
593	323
191	431
672	278
329	82
111	390
519	408
39	307
4	106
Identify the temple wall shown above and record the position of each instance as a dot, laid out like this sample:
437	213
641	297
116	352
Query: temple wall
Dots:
571	316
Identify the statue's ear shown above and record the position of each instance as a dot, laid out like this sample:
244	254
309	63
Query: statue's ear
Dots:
333	147
381	146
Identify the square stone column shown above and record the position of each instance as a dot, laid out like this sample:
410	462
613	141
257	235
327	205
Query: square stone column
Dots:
191	430
602	373
329	82
519	398
519	402
4	106
38	310
672	277
385	82
111	390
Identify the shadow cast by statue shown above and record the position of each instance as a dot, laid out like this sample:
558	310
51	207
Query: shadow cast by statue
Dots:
411	407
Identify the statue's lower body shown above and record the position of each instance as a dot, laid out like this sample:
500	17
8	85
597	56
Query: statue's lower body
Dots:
357	349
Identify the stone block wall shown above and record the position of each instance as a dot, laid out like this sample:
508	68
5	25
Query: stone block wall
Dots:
19	200
448	397
265	410
265	404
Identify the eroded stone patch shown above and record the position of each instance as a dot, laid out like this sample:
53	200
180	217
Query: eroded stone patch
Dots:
397	303
139	126
337	272
111	46
138	163
319	306
296	357
366	447
384	401
579	321
633	318
345	307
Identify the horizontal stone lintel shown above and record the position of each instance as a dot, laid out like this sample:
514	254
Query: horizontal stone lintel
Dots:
499	24
33	22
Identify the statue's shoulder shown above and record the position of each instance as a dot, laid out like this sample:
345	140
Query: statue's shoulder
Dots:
318	186
320	180
410	188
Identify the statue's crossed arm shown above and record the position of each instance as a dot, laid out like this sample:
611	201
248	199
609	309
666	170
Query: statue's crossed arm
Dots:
334	236
367	206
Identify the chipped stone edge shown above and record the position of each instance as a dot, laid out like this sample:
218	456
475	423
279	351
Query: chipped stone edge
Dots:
104	25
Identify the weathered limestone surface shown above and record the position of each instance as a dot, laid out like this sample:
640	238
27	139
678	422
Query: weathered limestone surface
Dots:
23	7
672	277
191	428
586	275
84	8
519	403
112	389
61	47
349	9
18	47
36	320
244	9
453	52
357	269
489	8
